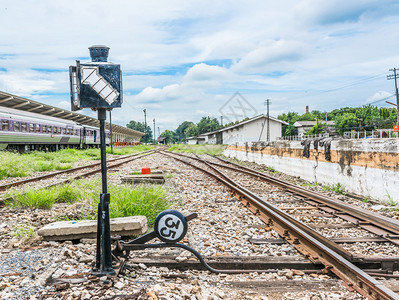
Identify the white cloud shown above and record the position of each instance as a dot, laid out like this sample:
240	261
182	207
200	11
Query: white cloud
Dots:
187	57
65	105
271	55
380	95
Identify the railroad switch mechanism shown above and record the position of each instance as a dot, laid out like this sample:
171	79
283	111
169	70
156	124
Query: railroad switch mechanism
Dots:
170	227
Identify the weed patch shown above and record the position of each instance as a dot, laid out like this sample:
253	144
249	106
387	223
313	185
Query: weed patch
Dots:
312	184
198	149
334	188
45	198
31	198
21	165
24	233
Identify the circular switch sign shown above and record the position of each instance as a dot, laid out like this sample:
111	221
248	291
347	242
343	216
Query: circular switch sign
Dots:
170	226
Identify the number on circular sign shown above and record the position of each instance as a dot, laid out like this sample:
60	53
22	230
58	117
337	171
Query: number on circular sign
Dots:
170	226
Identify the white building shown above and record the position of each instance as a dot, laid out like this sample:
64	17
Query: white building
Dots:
201	139
251	130
304	126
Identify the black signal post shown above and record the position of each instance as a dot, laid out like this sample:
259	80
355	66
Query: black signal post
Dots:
98	85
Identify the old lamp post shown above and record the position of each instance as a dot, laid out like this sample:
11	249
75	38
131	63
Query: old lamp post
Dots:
98	85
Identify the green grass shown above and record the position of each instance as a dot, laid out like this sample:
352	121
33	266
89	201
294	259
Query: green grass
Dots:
198	149
24	233
366	199
390	201
271	170
334	188
13	165
312	184
32	198
169	175
146	200
45	198
130	150
21	165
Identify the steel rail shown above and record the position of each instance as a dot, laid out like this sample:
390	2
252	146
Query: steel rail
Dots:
383	222
53	174
136	156
353	276
385	262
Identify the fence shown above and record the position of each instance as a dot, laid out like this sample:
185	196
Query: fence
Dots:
375	134
302	137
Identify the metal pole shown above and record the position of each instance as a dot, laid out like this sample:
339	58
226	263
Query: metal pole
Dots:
154	130
394	76
397	98
267	102
145	122
110	132
103	253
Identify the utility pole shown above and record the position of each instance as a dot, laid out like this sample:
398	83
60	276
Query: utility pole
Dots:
145	122
267	103
326	123
395	76
221	121
110	132
154	130
159	132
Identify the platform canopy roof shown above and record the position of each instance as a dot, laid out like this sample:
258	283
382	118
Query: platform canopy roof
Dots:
20	103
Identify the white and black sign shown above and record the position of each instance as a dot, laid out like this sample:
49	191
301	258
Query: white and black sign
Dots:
170	226
96	84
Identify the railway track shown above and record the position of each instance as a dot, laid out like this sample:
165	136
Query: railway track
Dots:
309	242
66	176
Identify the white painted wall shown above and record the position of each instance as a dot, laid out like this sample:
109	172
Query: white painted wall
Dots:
377	183
251	131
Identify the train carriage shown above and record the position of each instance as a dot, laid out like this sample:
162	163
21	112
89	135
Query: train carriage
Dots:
25	131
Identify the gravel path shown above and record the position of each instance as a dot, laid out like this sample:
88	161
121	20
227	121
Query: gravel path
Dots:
35	269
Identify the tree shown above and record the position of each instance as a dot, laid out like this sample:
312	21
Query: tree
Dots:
290	118
181	130
192	130
169	136
207	124
317	129
346	122
147	138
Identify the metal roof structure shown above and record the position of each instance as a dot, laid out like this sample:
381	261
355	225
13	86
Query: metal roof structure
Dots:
20	103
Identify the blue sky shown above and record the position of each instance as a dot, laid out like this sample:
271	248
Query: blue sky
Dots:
182	60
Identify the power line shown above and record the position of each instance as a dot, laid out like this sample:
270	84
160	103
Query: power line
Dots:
315	93
390	77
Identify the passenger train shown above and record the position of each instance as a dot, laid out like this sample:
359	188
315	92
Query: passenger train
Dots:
26	131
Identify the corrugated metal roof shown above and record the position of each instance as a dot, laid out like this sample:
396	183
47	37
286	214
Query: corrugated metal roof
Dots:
20	103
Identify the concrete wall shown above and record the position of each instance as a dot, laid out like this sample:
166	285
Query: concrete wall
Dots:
364	167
